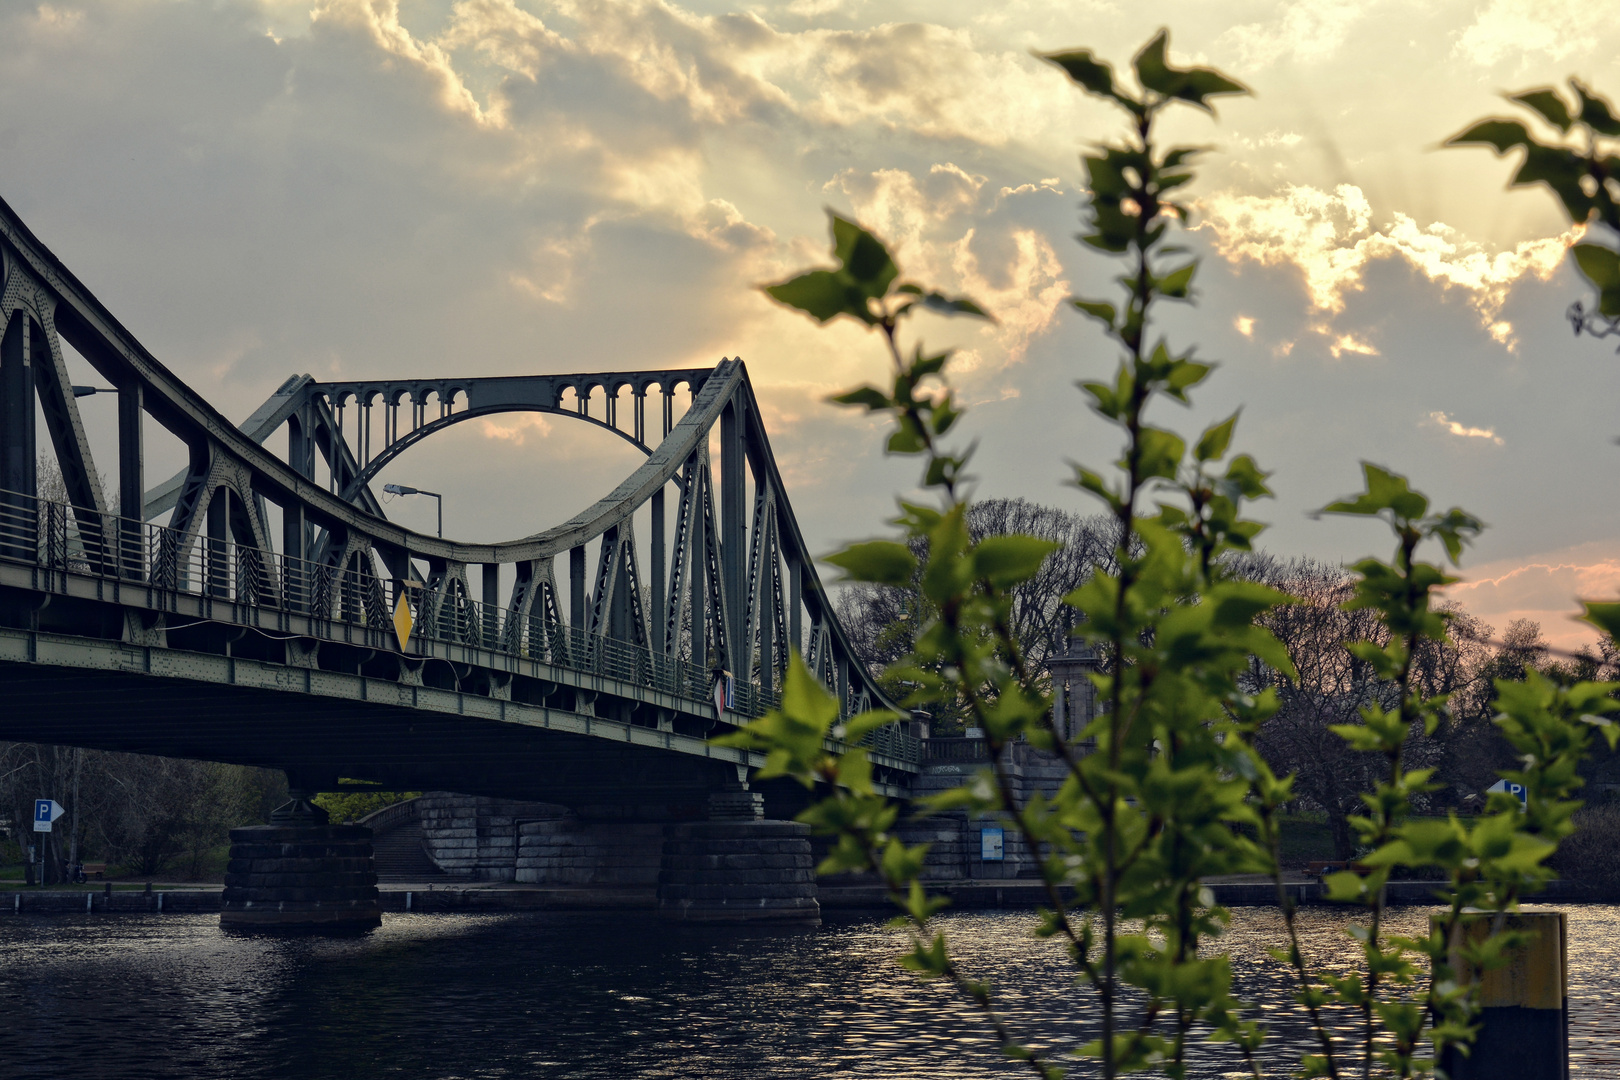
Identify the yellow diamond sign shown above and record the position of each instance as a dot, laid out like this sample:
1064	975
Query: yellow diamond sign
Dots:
402	621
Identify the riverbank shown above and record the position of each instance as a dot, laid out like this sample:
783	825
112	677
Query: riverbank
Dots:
475	897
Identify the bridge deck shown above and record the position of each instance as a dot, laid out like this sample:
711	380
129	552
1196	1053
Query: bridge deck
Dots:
119	646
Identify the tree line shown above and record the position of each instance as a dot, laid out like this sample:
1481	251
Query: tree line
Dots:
1330	685
151	815
142	814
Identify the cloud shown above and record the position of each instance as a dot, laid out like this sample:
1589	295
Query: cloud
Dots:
1544	587
58	20
1349	343
922	79
1244	325
1446	423
1304	31
1517	28
510	186
1331	238
515	428
379	19
1271	140
937	227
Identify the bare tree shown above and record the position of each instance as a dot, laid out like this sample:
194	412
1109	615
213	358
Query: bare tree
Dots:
1333	687
132	810
883	621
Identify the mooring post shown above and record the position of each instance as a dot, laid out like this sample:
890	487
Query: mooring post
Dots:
1524	1005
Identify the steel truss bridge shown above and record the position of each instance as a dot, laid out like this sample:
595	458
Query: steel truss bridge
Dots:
256	622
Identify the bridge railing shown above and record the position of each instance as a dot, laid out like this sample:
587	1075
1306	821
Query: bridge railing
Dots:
56	536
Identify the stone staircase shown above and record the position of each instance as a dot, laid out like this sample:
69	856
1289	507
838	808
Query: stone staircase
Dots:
399	856
396	846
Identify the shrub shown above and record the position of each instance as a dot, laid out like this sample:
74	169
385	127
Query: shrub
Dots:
1591	855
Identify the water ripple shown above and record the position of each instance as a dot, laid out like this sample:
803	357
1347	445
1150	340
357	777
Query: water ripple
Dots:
506	996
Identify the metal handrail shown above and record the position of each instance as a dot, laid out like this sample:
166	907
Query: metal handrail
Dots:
59	537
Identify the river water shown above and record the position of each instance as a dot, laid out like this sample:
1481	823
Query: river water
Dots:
443	997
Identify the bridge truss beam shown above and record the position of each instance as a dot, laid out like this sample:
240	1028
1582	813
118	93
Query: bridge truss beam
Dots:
716	580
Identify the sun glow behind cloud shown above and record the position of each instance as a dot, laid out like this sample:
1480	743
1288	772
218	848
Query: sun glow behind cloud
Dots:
1447	424
1543	587
1331	238
515	185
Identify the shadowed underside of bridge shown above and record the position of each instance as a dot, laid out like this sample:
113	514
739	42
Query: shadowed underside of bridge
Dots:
277	618
243	711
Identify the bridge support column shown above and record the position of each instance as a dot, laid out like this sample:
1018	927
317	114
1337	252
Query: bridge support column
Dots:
738	867
301	874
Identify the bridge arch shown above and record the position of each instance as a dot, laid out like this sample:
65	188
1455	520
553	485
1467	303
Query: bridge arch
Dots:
404	442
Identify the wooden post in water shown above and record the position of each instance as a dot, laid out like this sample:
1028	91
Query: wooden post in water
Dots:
1524	1017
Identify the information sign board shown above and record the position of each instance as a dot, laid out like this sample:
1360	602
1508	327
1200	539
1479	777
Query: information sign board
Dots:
1515	790
46	811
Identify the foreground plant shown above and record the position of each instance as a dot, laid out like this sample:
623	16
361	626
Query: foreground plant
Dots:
1578	160
1173	791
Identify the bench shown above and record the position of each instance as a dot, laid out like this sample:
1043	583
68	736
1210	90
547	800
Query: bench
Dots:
96	870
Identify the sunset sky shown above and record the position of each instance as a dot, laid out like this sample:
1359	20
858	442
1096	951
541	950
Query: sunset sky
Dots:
507	186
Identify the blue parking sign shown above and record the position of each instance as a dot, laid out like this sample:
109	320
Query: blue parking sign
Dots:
1516	790
45	812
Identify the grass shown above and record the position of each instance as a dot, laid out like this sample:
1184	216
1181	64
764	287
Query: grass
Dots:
1305	838
178	869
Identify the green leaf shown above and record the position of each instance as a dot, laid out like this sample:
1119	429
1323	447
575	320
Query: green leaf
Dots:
1005	561
1600	265
805	699
1245	476
945	305
855	771
821	295
1503	135
870	396
1160	453
1212	444
862	724
1184	376
1178	281
1094	76
1559	169
1547	103
922	364
1345	887
1595	111
930	961
1100	310
881	562
1385	491
1604	616
1201	83
1153	69
1192	85
863	256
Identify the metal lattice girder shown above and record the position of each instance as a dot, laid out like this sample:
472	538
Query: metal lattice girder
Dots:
720	572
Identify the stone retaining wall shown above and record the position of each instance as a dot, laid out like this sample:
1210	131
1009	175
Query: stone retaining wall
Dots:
473	837
738	871
571	852
954	838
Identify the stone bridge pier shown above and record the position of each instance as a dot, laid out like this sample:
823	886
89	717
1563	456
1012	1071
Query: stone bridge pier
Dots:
301	874
728	863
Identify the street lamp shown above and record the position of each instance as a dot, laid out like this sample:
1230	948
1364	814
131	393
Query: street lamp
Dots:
401	489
